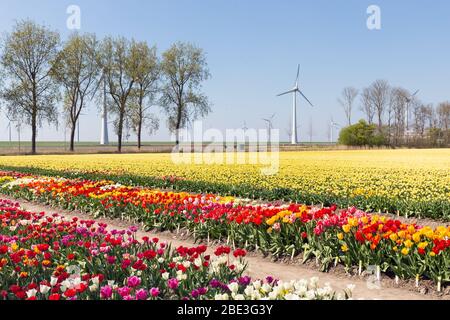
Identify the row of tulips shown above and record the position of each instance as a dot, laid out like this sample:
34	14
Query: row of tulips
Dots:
48	257
351	237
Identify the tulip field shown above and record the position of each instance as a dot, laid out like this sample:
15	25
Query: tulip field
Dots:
407	182
328	235
322	207
48	257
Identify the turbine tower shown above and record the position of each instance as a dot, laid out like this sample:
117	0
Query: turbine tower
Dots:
333	125
104	134
294	91
269	122
408	102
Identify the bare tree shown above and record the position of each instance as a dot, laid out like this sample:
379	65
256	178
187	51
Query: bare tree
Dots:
443	114
347	99
31	93
379	96
420	118
184	68
398	103
443	120
367	106
120	63
147	77
77	69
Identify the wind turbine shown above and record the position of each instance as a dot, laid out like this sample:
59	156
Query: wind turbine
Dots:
333	125
244	127
269	122
408	101
9	129
294	91
104	140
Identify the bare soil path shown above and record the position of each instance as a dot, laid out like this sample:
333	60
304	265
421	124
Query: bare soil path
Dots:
258	266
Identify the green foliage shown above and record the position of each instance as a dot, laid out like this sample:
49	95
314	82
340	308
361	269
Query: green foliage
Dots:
362	134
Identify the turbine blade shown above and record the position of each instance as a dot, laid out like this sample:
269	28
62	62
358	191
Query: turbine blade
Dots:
282	94
415	93
305	98
298	73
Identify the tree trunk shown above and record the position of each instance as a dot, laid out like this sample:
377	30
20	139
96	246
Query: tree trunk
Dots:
34	121
177	141
380	122
119	131
141	118
33	132
139	133
72	136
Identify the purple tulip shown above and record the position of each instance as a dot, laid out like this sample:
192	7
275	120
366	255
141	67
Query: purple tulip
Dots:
244	281
195	294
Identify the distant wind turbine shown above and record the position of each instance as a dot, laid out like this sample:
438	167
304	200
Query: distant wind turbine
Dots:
294	91
333	125
9	129
269	122
104	139
244	127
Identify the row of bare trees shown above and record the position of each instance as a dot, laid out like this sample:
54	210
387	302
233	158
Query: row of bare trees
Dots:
399	114
38	71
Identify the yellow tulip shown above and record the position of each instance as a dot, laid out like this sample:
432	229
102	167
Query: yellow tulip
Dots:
346	228
393	237
340	236
422	245
14	247
353	222
405	251
408	243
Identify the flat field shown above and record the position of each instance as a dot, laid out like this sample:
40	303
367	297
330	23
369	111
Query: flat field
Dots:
414	182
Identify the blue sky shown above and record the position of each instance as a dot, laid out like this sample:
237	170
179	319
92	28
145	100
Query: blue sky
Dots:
253	48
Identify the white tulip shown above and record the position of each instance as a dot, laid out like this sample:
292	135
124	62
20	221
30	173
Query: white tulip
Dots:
44	289
31	293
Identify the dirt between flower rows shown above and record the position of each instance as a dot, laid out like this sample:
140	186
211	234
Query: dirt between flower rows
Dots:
260	267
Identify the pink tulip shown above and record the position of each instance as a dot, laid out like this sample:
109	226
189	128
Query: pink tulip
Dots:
173	283
154	292
124	291
141	294
106	292
134	281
